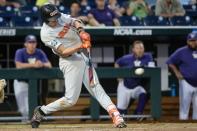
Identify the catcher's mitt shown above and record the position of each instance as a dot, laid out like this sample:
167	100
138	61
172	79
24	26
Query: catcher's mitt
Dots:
2	85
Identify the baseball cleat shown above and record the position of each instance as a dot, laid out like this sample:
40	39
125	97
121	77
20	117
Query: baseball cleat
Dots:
118	121
37	117
35	124
116	117
121	125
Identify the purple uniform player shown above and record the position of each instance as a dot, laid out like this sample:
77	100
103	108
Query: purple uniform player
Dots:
183	63
28	57
131	88
23	56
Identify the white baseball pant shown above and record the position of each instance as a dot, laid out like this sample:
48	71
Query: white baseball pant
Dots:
187	94
124	95
21	95
75	72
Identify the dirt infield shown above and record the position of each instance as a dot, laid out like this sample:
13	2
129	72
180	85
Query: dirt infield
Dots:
101	127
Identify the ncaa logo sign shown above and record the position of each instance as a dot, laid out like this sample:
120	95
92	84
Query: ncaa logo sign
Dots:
53	13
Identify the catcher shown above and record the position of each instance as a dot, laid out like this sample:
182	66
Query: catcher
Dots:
2	85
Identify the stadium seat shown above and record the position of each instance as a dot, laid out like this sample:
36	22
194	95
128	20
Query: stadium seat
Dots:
3	22
192	13
32	11
195	22
63	9
5	8
189	7
85	10
8	11
156	21
5	18
181	20
92	3
191	10
20	21
130	21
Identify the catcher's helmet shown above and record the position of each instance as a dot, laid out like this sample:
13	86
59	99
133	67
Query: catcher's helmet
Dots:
49	12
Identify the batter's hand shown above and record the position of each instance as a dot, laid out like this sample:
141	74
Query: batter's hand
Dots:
86	44
84	36
2	85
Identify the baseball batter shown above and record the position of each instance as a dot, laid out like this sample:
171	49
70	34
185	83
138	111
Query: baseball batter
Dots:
66	37
183	63
131	88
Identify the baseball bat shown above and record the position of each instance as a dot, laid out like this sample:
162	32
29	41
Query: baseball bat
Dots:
90	69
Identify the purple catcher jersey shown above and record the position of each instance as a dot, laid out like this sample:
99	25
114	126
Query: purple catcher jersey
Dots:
22	56
131	61
186	60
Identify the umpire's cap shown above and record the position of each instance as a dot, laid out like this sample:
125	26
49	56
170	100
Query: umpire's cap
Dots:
49	12
192	36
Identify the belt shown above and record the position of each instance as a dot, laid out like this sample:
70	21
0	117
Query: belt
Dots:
66	56
78	52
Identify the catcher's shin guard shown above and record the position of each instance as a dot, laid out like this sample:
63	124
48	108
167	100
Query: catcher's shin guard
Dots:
116	117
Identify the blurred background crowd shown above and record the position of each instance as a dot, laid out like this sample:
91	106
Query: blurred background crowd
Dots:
103	12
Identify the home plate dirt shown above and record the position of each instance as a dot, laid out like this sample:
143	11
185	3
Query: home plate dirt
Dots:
101	127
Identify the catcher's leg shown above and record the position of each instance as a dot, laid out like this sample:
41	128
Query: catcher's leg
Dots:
2	85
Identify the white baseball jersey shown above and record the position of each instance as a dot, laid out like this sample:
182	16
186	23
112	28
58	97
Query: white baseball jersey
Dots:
54	37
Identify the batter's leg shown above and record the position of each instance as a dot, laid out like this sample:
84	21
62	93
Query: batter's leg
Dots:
98	92
73	69
185	97
73	75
